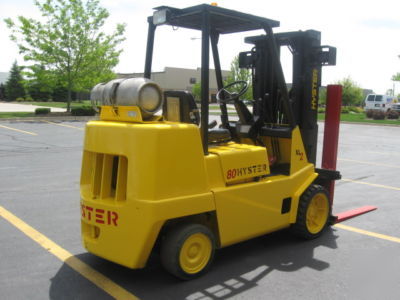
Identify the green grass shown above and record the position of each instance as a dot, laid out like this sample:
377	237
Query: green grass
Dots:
218	114
216	107
58	104
360	118
355	118
6	115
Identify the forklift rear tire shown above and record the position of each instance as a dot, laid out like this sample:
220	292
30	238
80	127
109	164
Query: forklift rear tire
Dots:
313	213
187	251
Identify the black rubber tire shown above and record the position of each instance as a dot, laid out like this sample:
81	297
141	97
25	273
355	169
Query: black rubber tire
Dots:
172	244
300	228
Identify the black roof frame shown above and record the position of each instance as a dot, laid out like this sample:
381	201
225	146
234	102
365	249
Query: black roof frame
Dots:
223	20
213	21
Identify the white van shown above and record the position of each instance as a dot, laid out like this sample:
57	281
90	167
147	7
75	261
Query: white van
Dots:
378	102
396	106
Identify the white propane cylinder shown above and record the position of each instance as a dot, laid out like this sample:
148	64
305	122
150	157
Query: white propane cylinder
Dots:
96	95
141	92
109	91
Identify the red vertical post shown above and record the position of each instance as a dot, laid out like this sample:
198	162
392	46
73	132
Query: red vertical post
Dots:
331	132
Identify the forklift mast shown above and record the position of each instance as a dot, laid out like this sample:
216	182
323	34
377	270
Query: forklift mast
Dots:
308	58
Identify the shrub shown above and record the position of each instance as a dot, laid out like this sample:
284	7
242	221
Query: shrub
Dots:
345	110
369	113
356	109
378	115
28	99
83	111
321	110
392	115
42	111
20	99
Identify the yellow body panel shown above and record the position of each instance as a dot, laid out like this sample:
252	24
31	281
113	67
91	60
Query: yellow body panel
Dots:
252	209
298	155
214	171
241	161
136	176
124	114
165	178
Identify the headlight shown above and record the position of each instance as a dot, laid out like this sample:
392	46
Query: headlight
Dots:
160	17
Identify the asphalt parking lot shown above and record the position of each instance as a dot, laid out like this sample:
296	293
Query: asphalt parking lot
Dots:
41	256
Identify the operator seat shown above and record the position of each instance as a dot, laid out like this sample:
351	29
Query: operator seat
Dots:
180	106
219	135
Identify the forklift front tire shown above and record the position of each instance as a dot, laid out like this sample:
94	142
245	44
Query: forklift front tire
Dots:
187	251
313	213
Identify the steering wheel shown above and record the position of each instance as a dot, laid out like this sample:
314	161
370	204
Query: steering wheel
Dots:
231	96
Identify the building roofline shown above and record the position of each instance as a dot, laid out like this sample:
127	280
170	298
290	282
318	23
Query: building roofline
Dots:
165	70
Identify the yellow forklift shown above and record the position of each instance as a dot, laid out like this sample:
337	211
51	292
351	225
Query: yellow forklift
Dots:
174	181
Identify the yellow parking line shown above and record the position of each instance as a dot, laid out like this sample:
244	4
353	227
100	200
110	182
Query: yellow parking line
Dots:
103	282
63	125
372	184
18	130
369	163
369	233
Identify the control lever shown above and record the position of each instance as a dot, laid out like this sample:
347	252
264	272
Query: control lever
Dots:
212	124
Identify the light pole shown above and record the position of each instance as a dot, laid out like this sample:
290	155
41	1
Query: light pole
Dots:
393	93
394	80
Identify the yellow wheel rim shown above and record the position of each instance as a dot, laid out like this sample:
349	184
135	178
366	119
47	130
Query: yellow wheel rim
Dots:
317	213
195	253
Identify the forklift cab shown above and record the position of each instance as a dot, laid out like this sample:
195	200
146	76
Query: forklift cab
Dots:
276	112
173	181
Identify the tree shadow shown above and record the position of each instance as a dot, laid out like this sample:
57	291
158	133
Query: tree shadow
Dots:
236	269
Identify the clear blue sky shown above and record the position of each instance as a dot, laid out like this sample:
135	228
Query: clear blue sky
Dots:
366	34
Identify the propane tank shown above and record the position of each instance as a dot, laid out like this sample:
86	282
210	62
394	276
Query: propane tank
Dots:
141	92
96	95
109	91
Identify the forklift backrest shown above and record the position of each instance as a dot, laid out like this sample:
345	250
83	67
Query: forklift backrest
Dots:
179	106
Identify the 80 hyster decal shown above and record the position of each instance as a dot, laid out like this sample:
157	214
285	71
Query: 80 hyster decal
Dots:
251	170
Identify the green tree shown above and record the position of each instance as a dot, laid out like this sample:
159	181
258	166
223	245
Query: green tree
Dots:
239	74
40	83
2	92
196	91
322	96
352	94
14	87
70	42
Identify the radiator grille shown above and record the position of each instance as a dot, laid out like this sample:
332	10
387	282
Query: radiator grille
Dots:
108	177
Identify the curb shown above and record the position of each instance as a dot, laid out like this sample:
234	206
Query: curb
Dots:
373	124
90	118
